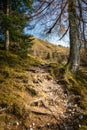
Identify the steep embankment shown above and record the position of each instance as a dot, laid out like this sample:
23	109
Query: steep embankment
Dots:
35	95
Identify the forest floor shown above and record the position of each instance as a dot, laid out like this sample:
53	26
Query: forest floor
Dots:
35	95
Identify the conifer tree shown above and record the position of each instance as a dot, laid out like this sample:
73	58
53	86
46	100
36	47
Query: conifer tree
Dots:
13	19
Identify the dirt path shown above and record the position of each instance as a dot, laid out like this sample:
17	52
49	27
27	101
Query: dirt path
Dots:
53	108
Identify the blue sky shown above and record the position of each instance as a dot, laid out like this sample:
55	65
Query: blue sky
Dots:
41	23
38	31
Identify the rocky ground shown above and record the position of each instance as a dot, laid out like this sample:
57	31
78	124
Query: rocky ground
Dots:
48	104
54	108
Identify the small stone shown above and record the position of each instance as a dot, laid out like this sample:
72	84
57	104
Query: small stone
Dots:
69	110
75	105
70	114
81	117
65	95
16	123
79	126
33	124
30	126
61	113
73	112
50	94
48	124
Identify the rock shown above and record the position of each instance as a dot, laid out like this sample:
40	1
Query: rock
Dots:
69	110
33	124
31	128
16	123
48	124
79	126
80	117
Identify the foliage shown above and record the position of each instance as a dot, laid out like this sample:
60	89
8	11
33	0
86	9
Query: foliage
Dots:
13	18
76	84
22	47
13	83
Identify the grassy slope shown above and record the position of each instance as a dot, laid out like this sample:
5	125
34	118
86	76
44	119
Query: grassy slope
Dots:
76	84
13	81
49	51
53	53
14	78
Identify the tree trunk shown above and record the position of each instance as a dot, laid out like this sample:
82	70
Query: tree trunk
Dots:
7	40
7	37
74	56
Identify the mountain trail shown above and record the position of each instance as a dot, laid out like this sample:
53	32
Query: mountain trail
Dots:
53	108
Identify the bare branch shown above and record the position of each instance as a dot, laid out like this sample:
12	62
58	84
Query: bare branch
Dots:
84	1
64	33
42	9
57	19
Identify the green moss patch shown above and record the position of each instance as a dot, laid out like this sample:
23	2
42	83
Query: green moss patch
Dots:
78	85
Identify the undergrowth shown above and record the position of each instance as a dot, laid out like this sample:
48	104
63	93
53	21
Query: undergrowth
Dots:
13	82
14	79
76	84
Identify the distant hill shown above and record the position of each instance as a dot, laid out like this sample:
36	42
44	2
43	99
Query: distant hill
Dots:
53	53
48	51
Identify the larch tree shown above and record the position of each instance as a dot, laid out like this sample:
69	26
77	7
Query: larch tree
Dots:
13	19
74	57
65	16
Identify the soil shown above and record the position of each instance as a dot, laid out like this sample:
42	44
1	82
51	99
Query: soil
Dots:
53	107
49	105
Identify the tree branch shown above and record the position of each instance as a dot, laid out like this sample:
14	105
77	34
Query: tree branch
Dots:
42	10
64	33
57	19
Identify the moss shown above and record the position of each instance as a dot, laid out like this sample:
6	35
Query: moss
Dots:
83	103
78	85
84	123
17	109
10	101
57	70
31	90
14	77
14	81
33	60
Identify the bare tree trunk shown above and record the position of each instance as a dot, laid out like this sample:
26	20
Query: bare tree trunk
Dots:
7	41
74	56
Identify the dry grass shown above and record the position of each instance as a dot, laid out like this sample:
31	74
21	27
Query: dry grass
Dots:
16	86
48	51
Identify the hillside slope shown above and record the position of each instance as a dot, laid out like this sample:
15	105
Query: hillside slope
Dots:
35	95
48	51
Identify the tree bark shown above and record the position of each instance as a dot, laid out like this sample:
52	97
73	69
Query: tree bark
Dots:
7	37
7	40
74	56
